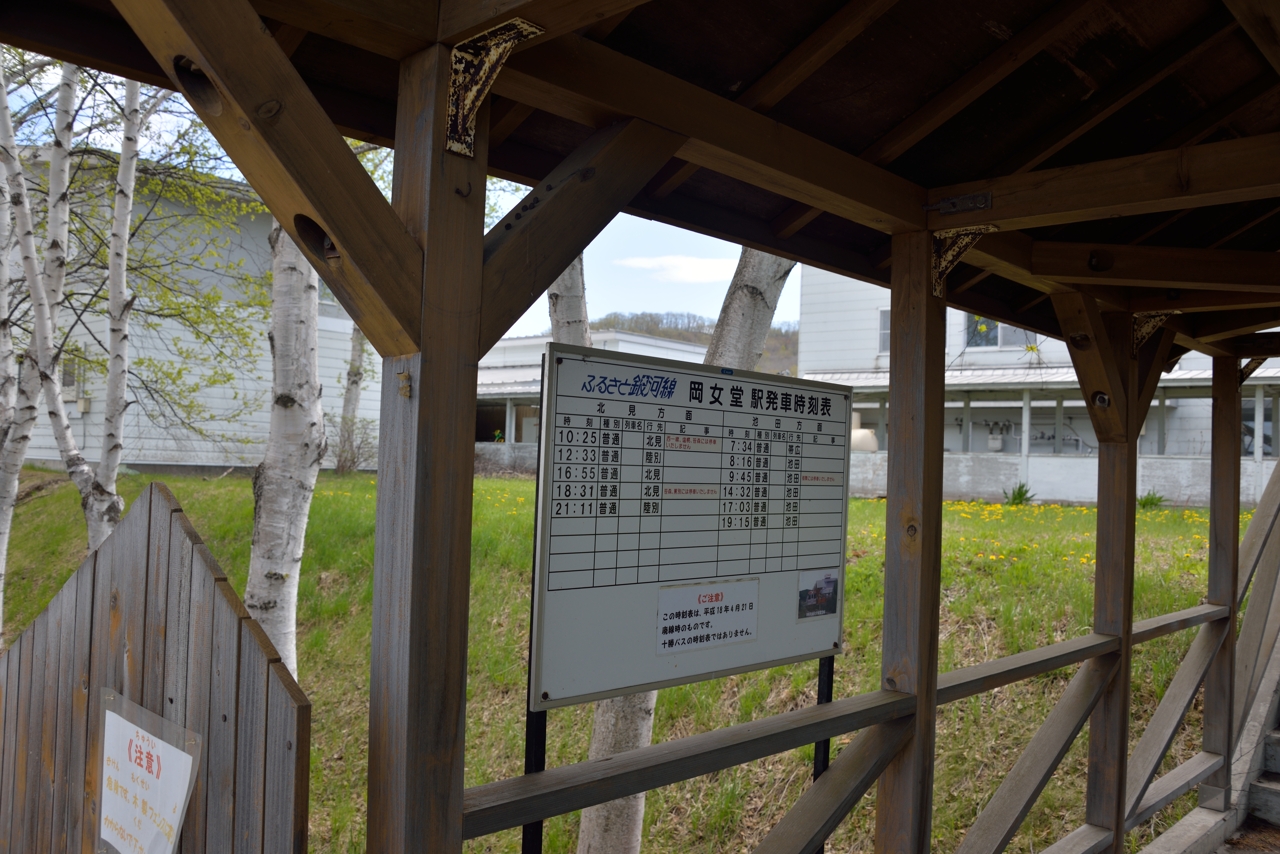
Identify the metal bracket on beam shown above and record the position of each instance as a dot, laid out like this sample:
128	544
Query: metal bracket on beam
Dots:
476	63
1145	324
1247	369
962	204
949	246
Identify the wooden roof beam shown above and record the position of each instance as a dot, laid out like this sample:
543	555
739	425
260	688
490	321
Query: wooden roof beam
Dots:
1101	106
1259	345
264	116
1157	267
1009	57
1234	170
1216	327
580	80
1186	302
1259	19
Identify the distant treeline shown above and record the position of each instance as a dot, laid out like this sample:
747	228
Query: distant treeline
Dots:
780	348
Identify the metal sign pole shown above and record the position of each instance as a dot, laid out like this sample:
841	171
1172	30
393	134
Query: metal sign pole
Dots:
822	749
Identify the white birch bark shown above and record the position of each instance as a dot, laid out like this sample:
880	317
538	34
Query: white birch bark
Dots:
285	481
348	455
747	313
567	303
102	506
58	222
625	723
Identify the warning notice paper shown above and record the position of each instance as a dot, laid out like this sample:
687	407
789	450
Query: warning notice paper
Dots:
691	523
145	780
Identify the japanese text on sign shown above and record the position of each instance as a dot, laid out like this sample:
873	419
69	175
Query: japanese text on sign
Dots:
144	789
707	615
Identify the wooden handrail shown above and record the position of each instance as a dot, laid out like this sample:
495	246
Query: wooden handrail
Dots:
519	800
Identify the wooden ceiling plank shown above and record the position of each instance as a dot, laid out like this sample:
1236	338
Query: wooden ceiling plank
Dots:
813	53
576	77
796	67
1214	173
793	219
1215	327
1261	21
1191	301
392	28
1009	57
265	117
504	117
602	30
287	36
1259	220
462	19
1101	106
1156	267
533	244
1223	113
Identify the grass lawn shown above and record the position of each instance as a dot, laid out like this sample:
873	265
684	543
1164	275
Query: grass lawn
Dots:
1013	578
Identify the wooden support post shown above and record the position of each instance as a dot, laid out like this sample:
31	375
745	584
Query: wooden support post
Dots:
426	452
1118	375
1162	425
1224	551
913	544
1057	426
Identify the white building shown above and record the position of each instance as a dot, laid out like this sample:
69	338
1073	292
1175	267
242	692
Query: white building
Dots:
1016	410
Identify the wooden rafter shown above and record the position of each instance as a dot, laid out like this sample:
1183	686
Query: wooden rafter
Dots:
1213	173
1009	57
245	89
1259	20
593	85
792	70
1222	113
1259	344
531	246
1101	106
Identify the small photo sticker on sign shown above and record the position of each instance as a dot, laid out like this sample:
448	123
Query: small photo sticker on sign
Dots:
819	594
147	771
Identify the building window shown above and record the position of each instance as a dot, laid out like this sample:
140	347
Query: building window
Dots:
1011	337
981	332
884	330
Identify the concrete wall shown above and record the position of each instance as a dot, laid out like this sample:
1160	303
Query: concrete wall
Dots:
1067	478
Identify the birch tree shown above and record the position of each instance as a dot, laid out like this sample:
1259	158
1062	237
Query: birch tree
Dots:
349	452
626	723
285	481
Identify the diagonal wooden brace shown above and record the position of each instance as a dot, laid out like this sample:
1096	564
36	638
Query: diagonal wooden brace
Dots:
1247	369
1096	362
241	84
532	245
949	246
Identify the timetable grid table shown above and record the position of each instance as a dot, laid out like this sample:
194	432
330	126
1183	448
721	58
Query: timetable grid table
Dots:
713	478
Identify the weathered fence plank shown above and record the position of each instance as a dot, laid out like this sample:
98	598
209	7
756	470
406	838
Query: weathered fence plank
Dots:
256	654
204	577
287	778
156	627
86	579
9	774
221	739
150	616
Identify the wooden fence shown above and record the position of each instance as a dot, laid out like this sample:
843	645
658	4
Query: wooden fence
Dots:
151	616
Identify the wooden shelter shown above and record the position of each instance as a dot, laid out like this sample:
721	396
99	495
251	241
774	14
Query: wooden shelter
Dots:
1102	172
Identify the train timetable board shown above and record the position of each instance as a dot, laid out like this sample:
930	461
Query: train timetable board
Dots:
691	523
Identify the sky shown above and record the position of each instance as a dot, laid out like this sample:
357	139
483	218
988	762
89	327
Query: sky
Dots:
637	265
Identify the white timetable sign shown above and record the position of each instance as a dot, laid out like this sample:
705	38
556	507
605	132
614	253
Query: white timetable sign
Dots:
691	523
